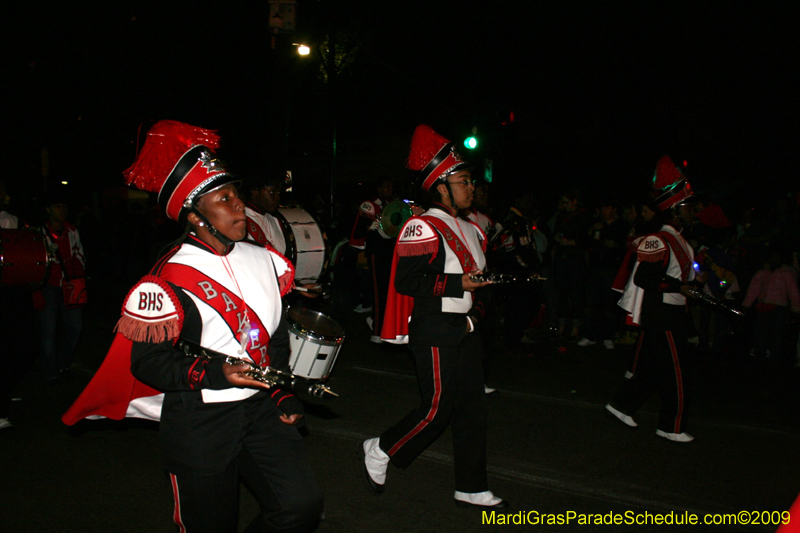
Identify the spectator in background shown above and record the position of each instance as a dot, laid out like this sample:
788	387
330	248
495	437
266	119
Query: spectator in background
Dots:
773	291
59	326
569	262
518	255
606	252
648	220
752	241
721	263
629	216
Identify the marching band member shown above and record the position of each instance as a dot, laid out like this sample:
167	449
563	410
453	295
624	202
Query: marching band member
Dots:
655	297
356	264
435	306
211	292
264	195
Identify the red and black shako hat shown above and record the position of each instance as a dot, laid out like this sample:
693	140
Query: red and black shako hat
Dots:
433	156
178	162
675	188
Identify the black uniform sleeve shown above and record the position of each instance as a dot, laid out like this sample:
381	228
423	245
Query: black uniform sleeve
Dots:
415	278
278	351
480	303
652	276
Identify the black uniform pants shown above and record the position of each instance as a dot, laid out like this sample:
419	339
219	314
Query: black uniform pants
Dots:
273	465
661	366
451	386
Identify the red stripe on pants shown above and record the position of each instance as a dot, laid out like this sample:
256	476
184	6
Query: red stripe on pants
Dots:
678	381
437	392
176	517
637	352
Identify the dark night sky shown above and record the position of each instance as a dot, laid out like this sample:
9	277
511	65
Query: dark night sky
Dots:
599	90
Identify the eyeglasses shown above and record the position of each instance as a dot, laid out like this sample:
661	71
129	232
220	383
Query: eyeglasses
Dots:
465	183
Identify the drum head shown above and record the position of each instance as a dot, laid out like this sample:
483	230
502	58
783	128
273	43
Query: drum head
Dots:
306	244
316	325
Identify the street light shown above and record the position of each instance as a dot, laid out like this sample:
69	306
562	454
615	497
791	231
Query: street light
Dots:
302	49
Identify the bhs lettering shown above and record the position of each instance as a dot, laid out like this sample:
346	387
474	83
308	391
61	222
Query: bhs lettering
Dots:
414	230
151	301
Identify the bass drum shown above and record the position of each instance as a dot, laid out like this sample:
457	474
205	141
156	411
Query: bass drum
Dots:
23	258
305	244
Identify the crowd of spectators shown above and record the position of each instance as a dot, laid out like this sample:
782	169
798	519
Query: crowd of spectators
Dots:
751	260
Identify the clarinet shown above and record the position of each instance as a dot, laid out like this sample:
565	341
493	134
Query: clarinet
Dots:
271	376
716	303
496	278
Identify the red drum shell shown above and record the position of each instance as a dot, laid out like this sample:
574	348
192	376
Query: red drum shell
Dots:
23	258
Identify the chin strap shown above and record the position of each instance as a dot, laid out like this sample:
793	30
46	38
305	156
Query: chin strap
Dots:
451	200
213	231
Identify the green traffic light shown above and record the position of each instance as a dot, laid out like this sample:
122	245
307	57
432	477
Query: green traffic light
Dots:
471	143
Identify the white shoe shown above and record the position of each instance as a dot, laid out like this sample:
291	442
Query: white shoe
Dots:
375	339
628	374
675	437
370	322
362	309
488	390
479	499
374	464
4	423
625	419
694	340
608	344
586	342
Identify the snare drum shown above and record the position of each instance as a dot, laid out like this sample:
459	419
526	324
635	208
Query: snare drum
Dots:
314	343
23	258
305	244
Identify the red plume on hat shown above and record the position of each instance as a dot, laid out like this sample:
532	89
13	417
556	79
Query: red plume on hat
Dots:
667	173
673	185
433	156
177	161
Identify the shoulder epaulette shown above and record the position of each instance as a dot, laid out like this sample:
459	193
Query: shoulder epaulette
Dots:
652	248
151	312
417	237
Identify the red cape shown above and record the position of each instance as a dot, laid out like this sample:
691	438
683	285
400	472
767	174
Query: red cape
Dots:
112	388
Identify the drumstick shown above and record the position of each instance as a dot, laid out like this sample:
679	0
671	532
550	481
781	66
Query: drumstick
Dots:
315	288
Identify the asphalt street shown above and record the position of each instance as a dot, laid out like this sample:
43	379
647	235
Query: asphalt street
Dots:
552	449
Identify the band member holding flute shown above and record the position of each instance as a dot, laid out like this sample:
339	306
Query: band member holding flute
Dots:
435	306
213	291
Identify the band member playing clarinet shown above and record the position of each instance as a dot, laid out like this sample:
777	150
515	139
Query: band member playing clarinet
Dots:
655	297
212	291
435	255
